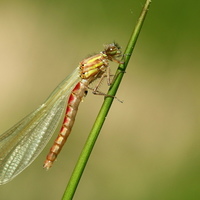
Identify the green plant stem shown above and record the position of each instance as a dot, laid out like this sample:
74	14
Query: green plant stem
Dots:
80	166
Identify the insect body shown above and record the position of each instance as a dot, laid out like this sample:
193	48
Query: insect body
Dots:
21	144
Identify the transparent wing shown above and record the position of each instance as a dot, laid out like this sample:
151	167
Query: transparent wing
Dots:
21	144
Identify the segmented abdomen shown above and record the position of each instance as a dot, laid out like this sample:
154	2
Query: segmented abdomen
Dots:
74	100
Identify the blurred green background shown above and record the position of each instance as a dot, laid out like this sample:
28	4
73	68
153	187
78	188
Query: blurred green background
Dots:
149	146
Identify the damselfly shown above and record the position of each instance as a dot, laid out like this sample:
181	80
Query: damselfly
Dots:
21	144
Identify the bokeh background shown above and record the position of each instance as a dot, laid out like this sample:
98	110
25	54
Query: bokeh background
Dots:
149	146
